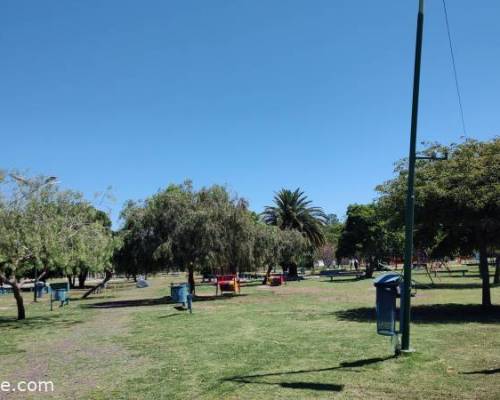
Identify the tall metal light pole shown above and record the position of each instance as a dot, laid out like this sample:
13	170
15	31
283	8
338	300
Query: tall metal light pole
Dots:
410	197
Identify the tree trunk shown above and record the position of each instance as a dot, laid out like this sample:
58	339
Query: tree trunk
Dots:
82	277
21	313
191	281
71	281
371	264
485	275
108	276
496	280
268	273
292	271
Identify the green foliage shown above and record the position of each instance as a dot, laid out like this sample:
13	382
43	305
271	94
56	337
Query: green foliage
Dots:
50	229
457	203
292	210
366	234
294	342
46	230
180	228
332	231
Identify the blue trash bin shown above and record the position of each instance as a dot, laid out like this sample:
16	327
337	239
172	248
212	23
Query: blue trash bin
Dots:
40	288
179	292
387	292
60	295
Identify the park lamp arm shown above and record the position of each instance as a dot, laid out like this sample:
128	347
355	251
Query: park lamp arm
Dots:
434	157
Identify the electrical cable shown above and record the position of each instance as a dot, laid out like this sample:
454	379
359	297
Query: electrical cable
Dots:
454	68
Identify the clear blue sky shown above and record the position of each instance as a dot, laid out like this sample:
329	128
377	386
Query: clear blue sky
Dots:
258	95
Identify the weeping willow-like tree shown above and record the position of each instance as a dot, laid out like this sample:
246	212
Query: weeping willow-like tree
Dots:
44	230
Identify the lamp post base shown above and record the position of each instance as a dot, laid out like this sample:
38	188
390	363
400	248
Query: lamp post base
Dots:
408	352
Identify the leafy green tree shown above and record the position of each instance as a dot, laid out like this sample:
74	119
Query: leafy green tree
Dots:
180	228
276	247
332	230
204	230
294	247
38	224
138	242
457	206
239	236
90	249
198	241
365	235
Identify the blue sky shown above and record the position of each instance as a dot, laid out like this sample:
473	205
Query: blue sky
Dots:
258	95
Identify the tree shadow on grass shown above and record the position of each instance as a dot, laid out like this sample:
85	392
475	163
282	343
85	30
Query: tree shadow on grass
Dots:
328	387
438	285
252	283
170	315
342	280
347	365
482	372
431	314
152	302
54	320
101	297
342	365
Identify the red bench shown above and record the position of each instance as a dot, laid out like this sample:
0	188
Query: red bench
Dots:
227	283
276	280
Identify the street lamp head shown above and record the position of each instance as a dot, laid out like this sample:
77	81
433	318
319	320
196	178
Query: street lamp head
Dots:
51	180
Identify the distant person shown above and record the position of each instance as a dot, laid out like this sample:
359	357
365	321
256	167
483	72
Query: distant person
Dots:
356	264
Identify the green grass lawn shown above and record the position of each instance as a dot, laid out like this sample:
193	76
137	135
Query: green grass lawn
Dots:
307	340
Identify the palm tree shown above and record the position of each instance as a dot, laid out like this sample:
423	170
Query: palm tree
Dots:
292	210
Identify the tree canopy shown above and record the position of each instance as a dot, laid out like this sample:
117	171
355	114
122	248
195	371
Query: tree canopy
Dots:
292	210
47	230
180	228
457	204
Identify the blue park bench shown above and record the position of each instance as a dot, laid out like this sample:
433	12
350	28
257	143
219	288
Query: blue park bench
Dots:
450	271
5	290
332	273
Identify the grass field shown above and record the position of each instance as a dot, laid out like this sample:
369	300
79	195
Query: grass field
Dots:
307	340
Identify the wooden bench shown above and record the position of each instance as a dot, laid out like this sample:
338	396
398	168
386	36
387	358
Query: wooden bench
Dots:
332	273
451	271
227	283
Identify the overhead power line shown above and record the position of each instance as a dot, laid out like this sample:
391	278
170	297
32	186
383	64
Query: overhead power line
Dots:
454	68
